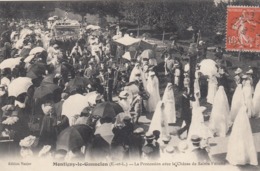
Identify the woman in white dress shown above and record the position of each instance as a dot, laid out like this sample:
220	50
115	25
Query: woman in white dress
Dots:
237	102
248	91
256	100
136	70
153	90
159	121
241	147
198	126
144	75
212	88
197	94
219	119
169	103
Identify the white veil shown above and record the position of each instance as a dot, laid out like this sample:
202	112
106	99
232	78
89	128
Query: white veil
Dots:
219	118
241	147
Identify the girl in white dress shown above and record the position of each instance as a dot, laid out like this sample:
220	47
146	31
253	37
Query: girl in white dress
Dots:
153	90
219	119
237	102
256	100
247	90
241	147
136	70
198	126
212	88
169	102
159	121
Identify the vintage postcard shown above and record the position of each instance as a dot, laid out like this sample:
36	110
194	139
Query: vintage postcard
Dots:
130	85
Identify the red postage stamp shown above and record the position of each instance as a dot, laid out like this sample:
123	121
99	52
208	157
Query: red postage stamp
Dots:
243	29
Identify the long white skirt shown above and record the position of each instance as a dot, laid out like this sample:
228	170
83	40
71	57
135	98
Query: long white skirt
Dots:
237	102
241	147
219	119
247	90
198	126
256	100
212	89
158	121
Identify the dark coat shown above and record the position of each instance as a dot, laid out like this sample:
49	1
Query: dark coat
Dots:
185	108
136	142
201	155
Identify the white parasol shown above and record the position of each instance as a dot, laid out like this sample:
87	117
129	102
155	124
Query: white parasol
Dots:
208	67
10	63
36	50
19	85
74	105
92	97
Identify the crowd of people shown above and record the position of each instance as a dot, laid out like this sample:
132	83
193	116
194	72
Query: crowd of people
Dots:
57	69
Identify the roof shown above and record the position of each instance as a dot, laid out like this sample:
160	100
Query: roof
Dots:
127	41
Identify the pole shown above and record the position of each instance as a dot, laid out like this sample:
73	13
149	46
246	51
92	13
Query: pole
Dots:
192	53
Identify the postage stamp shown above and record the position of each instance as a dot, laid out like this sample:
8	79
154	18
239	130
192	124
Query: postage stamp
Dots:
243	29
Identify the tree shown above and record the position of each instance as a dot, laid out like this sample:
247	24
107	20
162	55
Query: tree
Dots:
160	15
135	11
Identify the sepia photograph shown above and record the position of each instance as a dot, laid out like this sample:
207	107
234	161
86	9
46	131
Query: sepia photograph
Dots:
130	85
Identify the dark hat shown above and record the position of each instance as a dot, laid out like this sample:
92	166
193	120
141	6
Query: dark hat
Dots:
127	118
166	138
195	139
149	135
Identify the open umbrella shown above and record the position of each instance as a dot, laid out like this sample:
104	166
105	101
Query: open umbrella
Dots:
19	85
29	58
107	109
208	67
92	97
105	132
10	63
148	53
36	50
74	105
48	79
45	89
24	32
19	44
78	82
73	137
38	69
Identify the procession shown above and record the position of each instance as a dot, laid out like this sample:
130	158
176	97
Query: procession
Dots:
84	92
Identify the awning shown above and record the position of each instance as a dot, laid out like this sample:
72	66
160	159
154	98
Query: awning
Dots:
127	41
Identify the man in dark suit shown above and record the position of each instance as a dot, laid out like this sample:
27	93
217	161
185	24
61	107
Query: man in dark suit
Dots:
199	154
151	148
136	142
185	112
